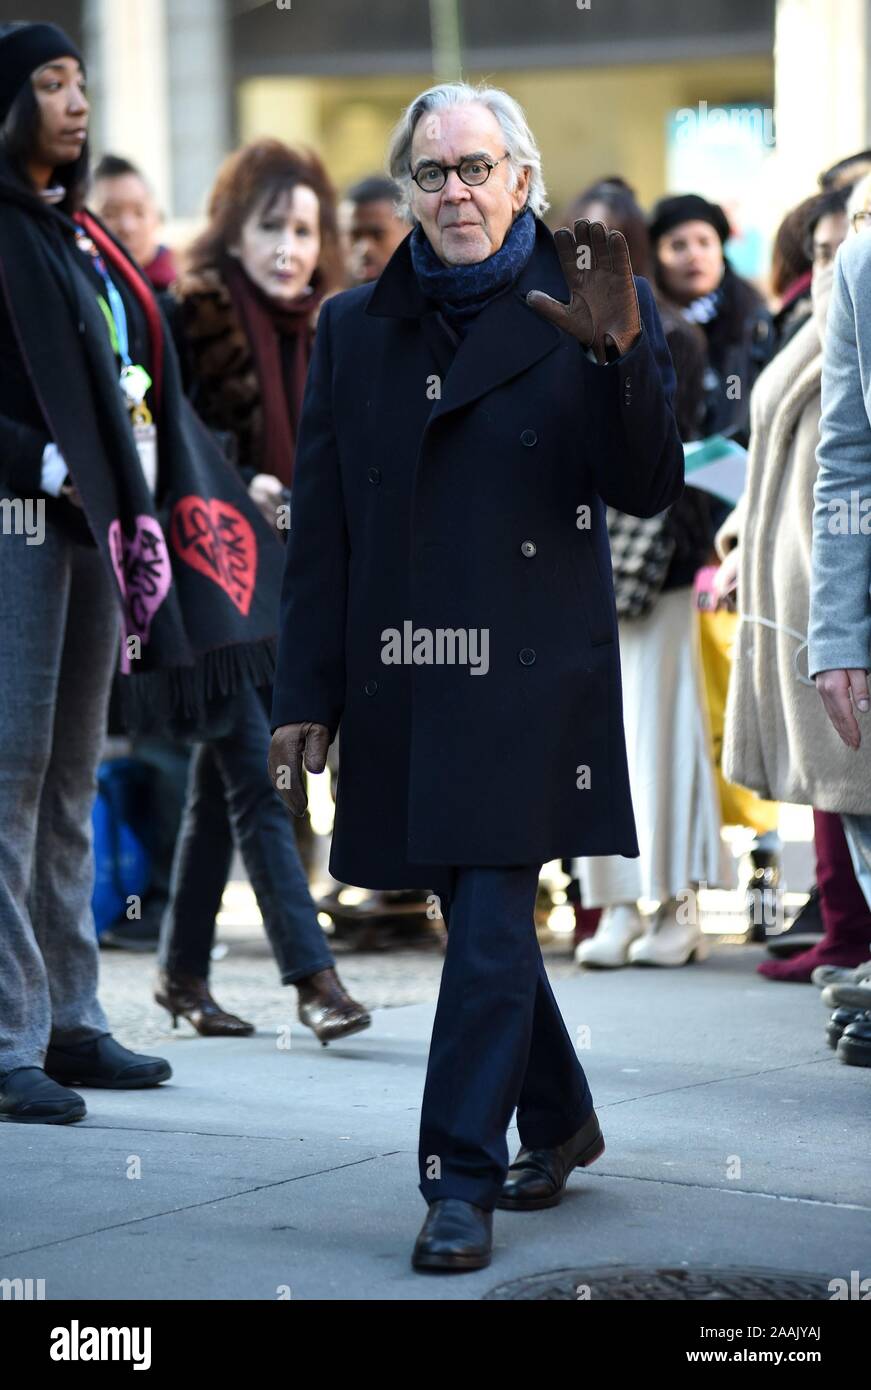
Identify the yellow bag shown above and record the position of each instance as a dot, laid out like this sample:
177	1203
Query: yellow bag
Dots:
738	805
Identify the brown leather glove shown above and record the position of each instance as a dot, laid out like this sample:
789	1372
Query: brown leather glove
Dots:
289	743
603	310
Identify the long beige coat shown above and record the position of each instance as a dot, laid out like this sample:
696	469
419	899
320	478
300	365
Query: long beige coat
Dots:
778	740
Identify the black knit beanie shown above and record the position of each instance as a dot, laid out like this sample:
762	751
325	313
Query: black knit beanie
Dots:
687	207
25	48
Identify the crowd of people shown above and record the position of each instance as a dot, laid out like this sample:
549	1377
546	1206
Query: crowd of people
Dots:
212	344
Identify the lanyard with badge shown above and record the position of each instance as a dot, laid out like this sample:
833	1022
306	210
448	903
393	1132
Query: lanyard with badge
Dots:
134	380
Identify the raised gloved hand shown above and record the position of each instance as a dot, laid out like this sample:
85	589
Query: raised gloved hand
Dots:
291	744
603	310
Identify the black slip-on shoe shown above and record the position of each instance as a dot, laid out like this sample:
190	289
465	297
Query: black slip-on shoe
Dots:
537	1177
104	1062
854	1047
804	931
29	1097
456	1235
838	1022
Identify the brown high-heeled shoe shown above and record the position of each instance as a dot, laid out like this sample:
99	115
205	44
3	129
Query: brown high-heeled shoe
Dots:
187	996
327	1008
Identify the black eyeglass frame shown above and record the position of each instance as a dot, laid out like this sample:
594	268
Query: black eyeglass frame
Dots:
449	168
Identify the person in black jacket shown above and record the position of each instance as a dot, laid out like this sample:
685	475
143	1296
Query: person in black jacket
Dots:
447	600
136	516
60	626
688	235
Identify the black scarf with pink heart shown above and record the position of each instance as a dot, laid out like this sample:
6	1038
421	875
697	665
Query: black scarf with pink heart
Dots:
196	568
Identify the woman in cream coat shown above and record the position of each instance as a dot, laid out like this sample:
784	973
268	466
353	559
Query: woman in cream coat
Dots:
778	741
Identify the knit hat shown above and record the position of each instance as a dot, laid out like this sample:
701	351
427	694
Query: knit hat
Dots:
687	207
23	49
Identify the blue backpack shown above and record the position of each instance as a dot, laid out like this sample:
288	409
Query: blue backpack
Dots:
123	863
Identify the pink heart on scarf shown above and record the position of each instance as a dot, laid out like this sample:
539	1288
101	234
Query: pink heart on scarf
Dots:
144	573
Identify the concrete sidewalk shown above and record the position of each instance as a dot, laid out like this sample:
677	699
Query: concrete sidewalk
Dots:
734	1138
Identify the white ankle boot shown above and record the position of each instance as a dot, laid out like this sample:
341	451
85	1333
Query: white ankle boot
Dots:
669	941
618	927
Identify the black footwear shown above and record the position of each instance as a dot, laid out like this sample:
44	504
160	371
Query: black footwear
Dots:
761	895
838	1022
188	996
804	931
104	1062
29	1097
455	1235
327	1008
143	936
537	1177
855	1045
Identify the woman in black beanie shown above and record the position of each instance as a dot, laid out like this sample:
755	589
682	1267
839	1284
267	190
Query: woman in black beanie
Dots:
115	503
687	235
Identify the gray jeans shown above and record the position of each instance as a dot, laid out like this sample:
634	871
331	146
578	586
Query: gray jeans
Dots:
59	635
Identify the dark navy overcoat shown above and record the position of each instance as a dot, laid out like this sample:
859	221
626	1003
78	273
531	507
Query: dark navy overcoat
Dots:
468	496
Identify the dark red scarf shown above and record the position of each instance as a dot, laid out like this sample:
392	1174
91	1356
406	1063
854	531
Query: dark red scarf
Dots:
272	327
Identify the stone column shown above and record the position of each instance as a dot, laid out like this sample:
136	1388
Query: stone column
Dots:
125	43
201	98
822	92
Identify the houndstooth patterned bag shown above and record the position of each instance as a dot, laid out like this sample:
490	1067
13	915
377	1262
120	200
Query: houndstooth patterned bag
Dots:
641	551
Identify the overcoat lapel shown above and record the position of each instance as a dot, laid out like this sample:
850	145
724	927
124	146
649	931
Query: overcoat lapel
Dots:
505	339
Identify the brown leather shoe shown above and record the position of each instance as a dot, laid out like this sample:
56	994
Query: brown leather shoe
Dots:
187	996
537	1177
327	1008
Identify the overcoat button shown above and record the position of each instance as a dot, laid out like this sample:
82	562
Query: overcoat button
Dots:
529	438
375	475
528	548
370	687
527	656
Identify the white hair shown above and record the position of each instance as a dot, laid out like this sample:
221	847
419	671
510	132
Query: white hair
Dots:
523	153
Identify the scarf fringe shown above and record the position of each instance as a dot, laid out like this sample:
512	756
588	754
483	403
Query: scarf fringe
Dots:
195	702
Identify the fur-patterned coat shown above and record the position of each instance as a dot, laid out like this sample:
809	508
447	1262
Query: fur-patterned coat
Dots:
217	363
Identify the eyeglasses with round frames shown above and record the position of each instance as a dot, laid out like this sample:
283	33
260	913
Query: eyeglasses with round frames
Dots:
473	171
860	219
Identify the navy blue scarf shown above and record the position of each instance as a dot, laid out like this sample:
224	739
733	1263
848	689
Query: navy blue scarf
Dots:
462	291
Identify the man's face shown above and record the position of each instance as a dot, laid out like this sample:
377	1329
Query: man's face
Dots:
463	224
129	211
371	233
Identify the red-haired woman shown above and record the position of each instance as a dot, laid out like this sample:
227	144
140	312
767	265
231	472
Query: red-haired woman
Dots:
244	319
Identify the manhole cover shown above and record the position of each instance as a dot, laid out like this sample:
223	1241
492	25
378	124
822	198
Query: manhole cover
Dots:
623	1282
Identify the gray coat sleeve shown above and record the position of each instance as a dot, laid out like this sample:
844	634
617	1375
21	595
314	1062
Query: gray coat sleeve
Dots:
839	628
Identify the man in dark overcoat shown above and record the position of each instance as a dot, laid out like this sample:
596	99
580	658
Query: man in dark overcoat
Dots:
448	601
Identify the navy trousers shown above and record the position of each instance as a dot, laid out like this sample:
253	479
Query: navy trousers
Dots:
498	1041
